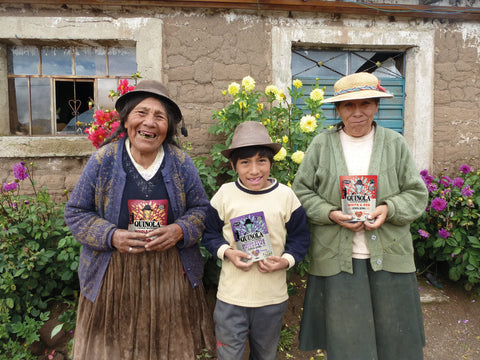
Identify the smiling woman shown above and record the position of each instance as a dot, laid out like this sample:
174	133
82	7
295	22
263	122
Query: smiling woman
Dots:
138	210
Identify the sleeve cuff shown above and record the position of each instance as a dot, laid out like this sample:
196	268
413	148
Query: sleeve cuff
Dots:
290	259
221	251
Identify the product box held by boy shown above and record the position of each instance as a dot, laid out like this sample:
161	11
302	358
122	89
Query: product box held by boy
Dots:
359	195
251	235
147	215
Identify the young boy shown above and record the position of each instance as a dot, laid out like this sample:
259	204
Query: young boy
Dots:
255	209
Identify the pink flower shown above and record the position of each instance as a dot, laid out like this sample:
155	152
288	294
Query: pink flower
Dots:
466	191
10	186
20	171
458	182
438	204
465	169
124	87
443	233
423	233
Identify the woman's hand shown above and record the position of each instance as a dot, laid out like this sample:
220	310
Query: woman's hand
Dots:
272	263
236	256
128	242
163	238
378	216
341	219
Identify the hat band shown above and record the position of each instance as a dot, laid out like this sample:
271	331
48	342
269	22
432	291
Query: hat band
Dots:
359	88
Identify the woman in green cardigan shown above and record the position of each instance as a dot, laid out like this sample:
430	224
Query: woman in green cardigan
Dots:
362	299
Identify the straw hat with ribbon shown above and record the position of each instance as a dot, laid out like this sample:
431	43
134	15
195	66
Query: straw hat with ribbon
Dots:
251	133
357	86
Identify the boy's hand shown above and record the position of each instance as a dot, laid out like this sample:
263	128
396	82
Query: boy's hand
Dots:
236	257
272	263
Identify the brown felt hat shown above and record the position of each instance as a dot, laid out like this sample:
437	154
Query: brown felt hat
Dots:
357	86
154	88
251	133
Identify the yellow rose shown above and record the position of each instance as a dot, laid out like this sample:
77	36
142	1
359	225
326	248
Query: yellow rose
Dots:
281	155
271	90
316	95
248	83
297	83
233	88
308	123
259	107
285	139
297	156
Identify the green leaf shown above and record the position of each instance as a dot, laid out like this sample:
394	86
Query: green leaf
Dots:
56	330
10	303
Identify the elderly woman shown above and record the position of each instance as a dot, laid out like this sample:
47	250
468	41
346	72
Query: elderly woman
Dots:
362	299
141	278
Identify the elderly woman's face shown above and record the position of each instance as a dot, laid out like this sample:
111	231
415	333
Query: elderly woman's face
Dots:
147	126
357	115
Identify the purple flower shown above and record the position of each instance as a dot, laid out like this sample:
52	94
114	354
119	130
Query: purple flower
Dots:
443	233
10	186
438	204
428	179
423	233
465	169
20	171
445	181
458	182
424	172
432	187
466	191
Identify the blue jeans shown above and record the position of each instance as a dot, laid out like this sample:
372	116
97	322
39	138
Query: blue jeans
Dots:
260	325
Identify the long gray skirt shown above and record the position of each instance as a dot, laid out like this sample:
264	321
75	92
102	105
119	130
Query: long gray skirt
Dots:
365	316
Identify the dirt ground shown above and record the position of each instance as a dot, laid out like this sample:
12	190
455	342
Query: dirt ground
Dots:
451	318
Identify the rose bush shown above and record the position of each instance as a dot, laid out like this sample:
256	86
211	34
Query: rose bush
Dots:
38	263
448	231
289	123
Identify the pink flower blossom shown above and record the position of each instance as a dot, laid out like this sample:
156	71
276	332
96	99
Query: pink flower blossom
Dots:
465	169
458	182
20	171
10	186
423	233
443	233
466	191
438	204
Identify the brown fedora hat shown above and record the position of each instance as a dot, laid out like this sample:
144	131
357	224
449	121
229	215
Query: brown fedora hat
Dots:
251	133
154	88
357	86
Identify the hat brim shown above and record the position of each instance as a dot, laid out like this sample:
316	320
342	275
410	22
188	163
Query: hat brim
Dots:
122	100
358	95
274	146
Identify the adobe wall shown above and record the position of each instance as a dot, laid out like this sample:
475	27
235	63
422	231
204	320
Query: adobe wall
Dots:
457	98
204	51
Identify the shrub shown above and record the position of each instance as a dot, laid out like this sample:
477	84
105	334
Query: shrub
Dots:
286	121
448	231
38	262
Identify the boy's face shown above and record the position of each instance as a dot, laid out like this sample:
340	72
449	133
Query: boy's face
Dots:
253	172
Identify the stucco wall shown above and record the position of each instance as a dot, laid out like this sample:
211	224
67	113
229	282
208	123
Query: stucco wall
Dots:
203	51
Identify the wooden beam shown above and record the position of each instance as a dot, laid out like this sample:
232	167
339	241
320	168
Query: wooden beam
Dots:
331	7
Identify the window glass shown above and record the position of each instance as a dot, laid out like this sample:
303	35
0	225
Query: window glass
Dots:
121	61
41	106
104	87
56	61
23	60
90	61
20	125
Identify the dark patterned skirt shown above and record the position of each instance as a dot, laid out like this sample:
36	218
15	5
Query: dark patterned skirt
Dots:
146	309
365	316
